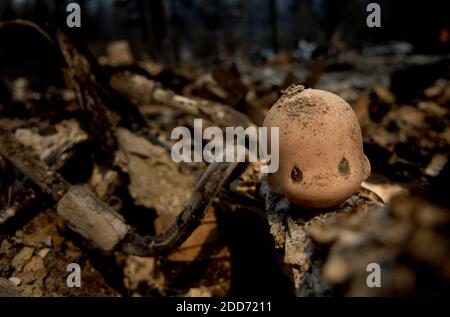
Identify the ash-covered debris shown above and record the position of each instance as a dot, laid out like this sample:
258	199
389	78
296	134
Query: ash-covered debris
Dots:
407	141
289	225
328	251
7	288
144	163
36	256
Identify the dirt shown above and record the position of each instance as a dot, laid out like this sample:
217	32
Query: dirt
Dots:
38	254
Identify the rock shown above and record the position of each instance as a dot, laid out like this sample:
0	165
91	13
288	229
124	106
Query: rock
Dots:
199	292
103	182
22	258
119	53
436	164
137	271
386	191
40	235
5	247
44	252
156	181
383	95
432	109
21	91
34	270
411	116
7	288
68	134
15	280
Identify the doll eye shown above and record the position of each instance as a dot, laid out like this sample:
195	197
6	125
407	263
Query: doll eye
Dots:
296	175
344	167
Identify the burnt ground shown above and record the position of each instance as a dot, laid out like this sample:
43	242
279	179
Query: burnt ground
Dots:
250	242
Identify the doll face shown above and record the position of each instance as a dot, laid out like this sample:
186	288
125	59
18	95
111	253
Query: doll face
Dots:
321	158
321	172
